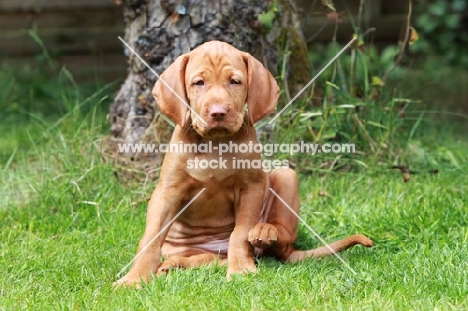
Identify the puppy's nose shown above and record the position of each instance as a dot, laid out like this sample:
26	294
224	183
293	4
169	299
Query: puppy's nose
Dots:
217	112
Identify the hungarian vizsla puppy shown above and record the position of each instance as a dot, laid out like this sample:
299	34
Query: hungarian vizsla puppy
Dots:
236	216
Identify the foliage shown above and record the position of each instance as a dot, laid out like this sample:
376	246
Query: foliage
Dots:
42	88
360	99
42	94
350	103
39	90
442	29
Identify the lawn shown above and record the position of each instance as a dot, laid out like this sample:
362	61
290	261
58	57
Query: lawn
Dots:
69	226
70	223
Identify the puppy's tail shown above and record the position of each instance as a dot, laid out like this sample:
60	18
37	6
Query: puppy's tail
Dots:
337	246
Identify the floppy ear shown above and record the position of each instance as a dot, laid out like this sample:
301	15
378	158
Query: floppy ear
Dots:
169	103
263	91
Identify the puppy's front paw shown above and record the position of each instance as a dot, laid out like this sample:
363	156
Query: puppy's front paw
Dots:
241	266
127	282
263	235
131	280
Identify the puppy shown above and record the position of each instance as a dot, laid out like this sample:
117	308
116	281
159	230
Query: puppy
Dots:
216	94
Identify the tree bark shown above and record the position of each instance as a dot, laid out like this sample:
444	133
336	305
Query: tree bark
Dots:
161	30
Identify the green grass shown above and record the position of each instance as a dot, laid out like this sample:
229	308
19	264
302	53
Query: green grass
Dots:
69	224
68	227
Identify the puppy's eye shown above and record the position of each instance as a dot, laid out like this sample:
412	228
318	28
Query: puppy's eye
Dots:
235	81
199	82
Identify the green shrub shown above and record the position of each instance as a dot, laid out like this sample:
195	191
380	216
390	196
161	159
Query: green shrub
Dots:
349	103
440	24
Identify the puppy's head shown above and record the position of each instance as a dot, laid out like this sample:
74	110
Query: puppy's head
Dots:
208	88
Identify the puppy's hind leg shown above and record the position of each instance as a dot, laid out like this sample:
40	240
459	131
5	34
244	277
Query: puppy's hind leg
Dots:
277	232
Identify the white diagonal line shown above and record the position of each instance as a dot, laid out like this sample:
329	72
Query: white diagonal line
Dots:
313	79
313	231
159	233
162	80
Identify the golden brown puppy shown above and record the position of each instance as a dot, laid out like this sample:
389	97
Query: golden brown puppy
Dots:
236	213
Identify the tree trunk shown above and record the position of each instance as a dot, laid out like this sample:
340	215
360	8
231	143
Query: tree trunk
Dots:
161	30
